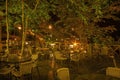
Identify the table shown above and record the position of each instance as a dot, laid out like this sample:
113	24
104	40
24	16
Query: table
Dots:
16	61
14	58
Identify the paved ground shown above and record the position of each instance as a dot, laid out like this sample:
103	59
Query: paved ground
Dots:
93	69
82	70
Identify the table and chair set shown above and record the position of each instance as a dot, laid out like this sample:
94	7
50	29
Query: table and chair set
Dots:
15	67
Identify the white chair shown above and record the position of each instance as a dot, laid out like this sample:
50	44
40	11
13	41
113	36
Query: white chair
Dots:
63	74
24	69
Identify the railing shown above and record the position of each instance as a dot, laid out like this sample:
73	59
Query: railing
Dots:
98	49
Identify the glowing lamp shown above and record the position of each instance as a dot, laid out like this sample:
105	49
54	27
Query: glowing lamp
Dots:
75	44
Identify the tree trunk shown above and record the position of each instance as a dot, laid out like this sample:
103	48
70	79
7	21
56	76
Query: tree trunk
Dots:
23	29
0	37
7	28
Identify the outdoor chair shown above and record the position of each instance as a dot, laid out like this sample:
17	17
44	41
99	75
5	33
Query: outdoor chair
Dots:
113	71
3	56
34	57
5	72
40	73
59	57
74	57
24	71
63	74
74	60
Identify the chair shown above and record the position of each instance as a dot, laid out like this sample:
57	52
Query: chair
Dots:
74	57
40	73
5	72
63	74
59	57
24	70
3	56
74	60
34	57
113	71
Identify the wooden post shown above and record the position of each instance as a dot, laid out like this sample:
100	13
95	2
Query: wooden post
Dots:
114	61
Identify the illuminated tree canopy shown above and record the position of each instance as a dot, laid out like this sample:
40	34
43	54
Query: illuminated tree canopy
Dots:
79	18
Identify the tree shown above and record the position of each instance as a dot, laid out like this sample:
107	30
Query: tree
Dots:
79	15
110	21
7	28
69	17
20	14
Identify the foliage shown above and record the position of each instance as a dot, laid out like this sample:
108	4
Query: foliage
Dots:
79	15
69	17
110	21
35	14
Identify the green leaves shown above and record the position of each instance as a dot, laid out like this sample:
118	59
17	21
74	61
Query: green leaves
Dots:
1	13
14	7
83	13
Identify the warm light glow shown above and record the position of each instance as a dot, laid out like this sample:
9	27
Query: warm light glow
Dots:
19	56
71	46
81	48
26	42
85	51
71	51
15	39
72	29
51	55
75	44
19	28
50	27
52	44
